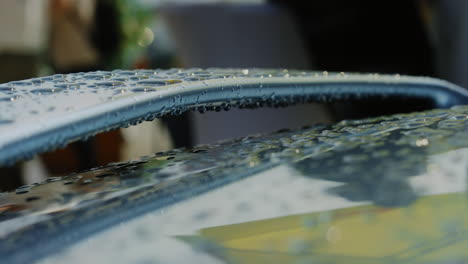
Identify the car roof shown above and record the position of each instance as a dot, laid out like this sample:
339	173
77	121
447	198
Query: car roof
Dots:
50	112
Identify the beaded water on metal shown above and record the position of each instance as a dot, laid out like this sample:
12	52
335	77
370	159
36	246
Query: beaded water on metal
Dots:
41	114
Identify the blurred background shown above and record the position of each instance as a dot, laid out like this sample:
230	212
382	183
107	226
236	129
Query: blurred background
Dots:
44	37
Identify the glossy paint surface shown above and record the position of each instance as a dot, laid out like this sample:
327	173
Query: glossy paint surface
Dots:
42	114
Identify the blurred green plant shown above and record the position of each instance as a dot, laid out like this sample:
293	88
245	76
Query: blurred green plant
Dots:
134	20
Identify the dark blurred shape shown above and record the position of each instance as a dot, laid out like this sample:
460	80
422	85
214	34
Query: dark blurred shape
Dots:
180	128
106	35
17	66
78	156
365	36
10	178
450	24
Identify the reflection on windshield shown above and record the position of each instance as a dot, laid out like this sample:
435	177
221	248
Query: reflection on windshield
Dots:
432	230
369	191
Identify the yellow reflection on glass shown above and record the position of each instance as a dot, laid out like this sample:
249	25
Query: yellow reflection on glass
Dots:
432	230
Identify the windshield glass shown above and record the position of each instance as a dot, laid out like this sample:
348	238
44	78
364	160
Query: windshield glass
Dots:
381	190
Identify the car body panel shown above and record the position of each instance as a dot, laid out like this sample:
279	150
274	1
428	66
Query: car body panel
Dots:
49	112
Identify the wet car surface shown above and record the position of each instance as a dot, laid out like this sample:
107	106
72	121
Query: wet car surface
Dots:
49	112
381	190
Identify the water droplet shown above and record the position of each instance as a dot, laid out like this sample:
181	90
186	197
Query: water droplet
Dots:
144	89
67	86
158	82
45	90
20	83
422	142
138	77
32	198
6	89
94	77
5	121
110	84
8	98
